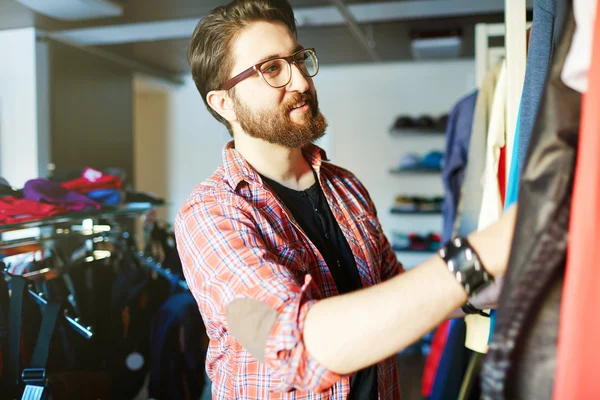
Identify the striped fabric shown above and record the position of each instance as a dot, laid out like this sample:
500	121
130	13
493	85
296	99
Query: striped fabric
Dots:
237	240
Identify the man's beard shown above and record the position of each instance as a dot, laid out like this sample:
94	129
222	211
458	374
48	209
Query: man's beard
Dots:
278	128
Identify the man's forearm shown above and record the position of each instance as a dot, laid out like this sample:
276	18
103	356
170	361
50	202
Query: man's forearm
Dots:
350	332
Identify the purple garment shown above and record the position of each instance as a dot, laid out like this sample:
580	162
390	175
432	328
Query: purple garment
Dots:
46	191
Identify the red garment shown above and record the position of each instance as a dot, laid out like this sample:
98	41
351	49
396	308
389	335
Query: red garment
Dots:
502	173
91	180
433	359
14	211
579	329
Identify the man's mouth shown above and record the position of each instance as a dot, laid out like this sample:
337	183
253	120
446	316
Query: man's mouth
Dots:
298	105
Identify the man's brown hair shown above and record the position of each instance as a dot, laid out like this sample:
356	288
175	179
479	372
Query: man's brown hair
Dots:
209	53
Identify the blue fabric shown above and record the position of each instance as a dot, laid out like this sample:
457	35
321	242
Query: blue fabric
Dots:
171	363
458	136
109	197
512	188
538	60
453	364
492	324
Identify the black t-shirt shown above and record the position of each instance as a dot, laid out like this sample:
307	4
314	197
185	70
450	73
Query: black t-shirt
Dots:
311	211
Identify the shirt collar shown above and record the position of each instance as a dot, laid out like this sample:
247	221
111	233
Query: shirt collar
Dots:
238	170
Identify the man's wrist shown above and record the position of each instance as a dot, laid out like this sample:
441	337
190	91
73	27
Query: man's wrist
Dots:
463	261
484	246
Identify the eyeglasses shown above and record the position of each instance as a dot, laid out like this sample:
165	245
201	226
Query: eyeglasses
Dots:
277	72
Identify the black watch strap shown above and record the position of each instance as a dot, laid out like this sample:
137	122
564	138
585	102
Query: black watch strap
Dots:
469	308
464	263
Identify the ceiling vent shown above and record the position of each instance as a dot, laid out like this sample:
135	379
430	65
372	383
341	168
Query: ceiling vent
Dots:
74	9
432	45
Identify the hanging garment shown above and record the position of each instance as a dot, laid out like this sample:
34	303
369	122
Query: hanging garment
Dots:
541	45
512	184
478	327
521	357
472	190
575	72
578	351
458	135
433	359
178	350
491	201
452	365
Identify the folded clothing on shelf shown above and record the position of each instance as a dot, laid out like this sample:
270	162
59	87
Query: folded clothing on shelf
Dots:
14	211
423	121
46	191
418	203
91	180
415	242
109	197
142	197
430	161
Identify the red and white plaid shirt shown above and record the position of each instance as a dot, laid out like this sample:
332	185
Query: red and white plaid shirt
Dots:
236	240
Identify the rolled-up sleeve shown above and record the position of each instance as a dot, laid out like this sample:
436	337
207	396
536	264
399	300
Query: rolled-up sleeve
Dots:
225	258
390	266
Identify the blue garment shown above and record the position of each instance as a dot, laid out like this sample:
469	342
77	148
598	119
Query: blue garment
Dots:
458	136
541	44
512	187
109	197
453	364
177	322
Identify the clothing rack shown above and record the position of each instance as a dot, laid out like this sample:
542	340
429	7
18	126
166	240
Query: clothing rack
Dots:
166	273
85	331
79	230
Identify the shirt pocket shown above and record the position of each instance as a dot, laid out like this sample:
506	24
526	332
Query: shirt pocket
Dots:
295	258
369	237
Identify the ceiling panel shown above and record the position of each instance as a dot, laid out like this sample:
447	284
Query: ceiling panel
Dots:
170	55
334	44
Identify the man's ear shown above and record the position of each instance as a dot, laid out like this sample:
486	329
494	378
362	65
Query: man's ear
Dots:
222	103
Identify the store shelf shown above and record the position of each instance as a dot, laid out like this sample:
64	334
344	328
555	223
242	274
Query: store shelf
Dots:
409	250
415	212
430	171
416	131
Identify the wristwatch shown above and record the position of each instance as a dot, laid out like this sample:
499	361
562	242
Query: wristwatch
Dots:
464	263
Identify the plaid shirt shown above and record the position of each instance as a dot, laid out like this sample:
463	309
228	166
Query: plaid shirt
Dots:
237	240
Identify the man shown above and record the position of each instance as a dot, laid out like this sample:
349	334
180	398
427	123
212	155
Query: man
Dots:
300	291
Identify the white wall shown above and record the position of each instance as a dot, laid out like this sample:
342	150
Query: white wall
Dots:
360	102
18	106
177	143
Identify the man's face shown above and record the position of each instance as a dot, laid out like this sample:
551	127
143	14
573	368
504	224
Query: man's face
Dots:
267	113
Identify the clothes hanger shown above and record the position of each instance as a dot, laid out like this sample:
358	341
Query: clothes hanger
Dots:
85	331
